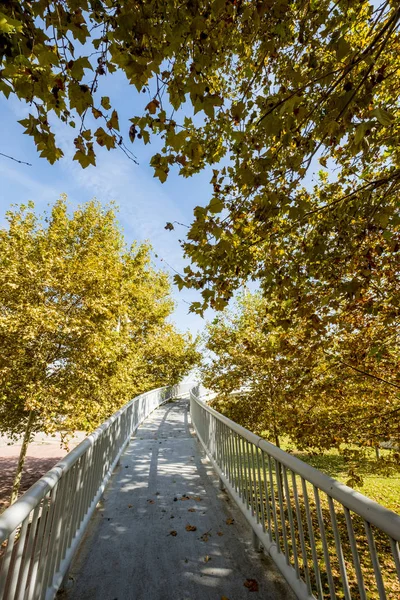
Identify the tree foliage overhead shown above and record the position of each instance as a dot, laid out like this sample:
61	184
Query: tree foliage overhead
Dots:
282	88
82	319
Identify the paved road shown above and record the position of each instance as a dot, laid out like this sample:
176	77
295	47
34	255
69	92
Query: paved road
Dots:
165	531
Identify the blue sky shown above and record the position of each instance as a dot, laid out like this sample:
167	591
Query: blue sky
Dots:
145	205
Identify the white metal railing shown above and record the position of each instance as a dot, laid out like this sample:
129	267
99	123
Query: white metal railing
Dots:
328	540
41	531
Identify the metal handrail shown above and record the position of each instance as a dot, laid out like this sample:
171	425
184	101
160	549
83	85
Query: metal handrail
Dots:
40	533
327	539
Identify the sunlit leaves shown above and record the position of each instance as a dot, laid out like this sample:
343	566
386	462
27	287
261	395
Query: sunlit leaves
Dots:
83	319
276	90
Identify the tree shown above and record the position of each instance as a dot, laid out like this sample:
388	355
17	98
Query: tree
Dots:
266	366
77	310
290	381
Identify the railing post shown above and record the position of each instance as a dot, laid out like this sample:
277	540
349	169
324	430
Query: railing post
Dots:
256	542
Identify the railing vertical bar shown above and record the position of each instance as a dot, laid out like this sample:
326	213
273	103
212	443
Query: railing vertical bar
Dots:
216	457
80	510
73	509
339	550
225	459
396	555
253	469
301	535
375	561
354	552
246	488
279	486
261	488
44	556
38	549
327	559
250	478
311	536
291	521
234	462
18	555
239	462
267	506
59	526
273	502
28	553
232	459
5	563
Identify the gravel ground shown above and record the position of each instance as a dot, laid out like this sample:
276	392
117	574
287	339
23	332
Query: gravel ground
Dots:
43	453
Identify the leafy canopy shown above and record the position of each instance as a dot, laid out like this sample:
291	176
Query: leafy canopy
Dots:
279	381
83	319
282	88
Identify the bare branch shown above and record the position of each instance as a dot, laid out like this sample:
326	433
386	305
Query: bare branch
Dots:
21	162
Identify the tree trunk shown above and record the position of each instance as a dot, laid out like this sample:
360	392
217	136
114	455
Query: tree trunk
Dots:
22	455
377	453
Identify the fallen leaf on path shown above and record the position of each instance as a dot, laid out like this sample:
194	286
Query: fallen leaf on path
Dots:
230	521
205	536
207	558
220	533
224	598
130	505
197	498
173	533
251	585
150	501
185	497
191	510
191	528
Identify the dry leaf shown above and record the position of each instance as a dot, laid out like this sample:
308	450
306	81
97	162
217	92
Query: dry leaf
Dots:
191	510
184	497
251	585
197	498
220	533
224	598
230	521
150	501
130	505
173	533
190	528
207	558
205	536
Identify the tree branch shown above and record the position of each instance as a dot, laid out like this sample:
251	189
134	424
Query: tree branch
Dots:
21	162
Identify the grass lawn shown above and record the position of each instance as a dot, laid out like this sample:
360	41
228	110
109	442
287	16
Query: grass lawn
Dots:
378	484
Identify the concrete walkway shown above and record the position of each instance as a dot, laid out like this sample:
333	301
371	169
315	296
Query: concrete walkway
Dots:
165	531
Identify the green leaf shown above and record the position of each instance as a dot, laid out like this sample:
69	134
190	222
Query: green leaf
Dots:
384	117
80	97
104	139
216	205
78	67
113	123
9	25
105	102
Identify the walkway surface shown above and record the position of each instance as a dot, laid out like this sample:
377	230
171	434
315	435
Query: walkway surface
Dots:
165	531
